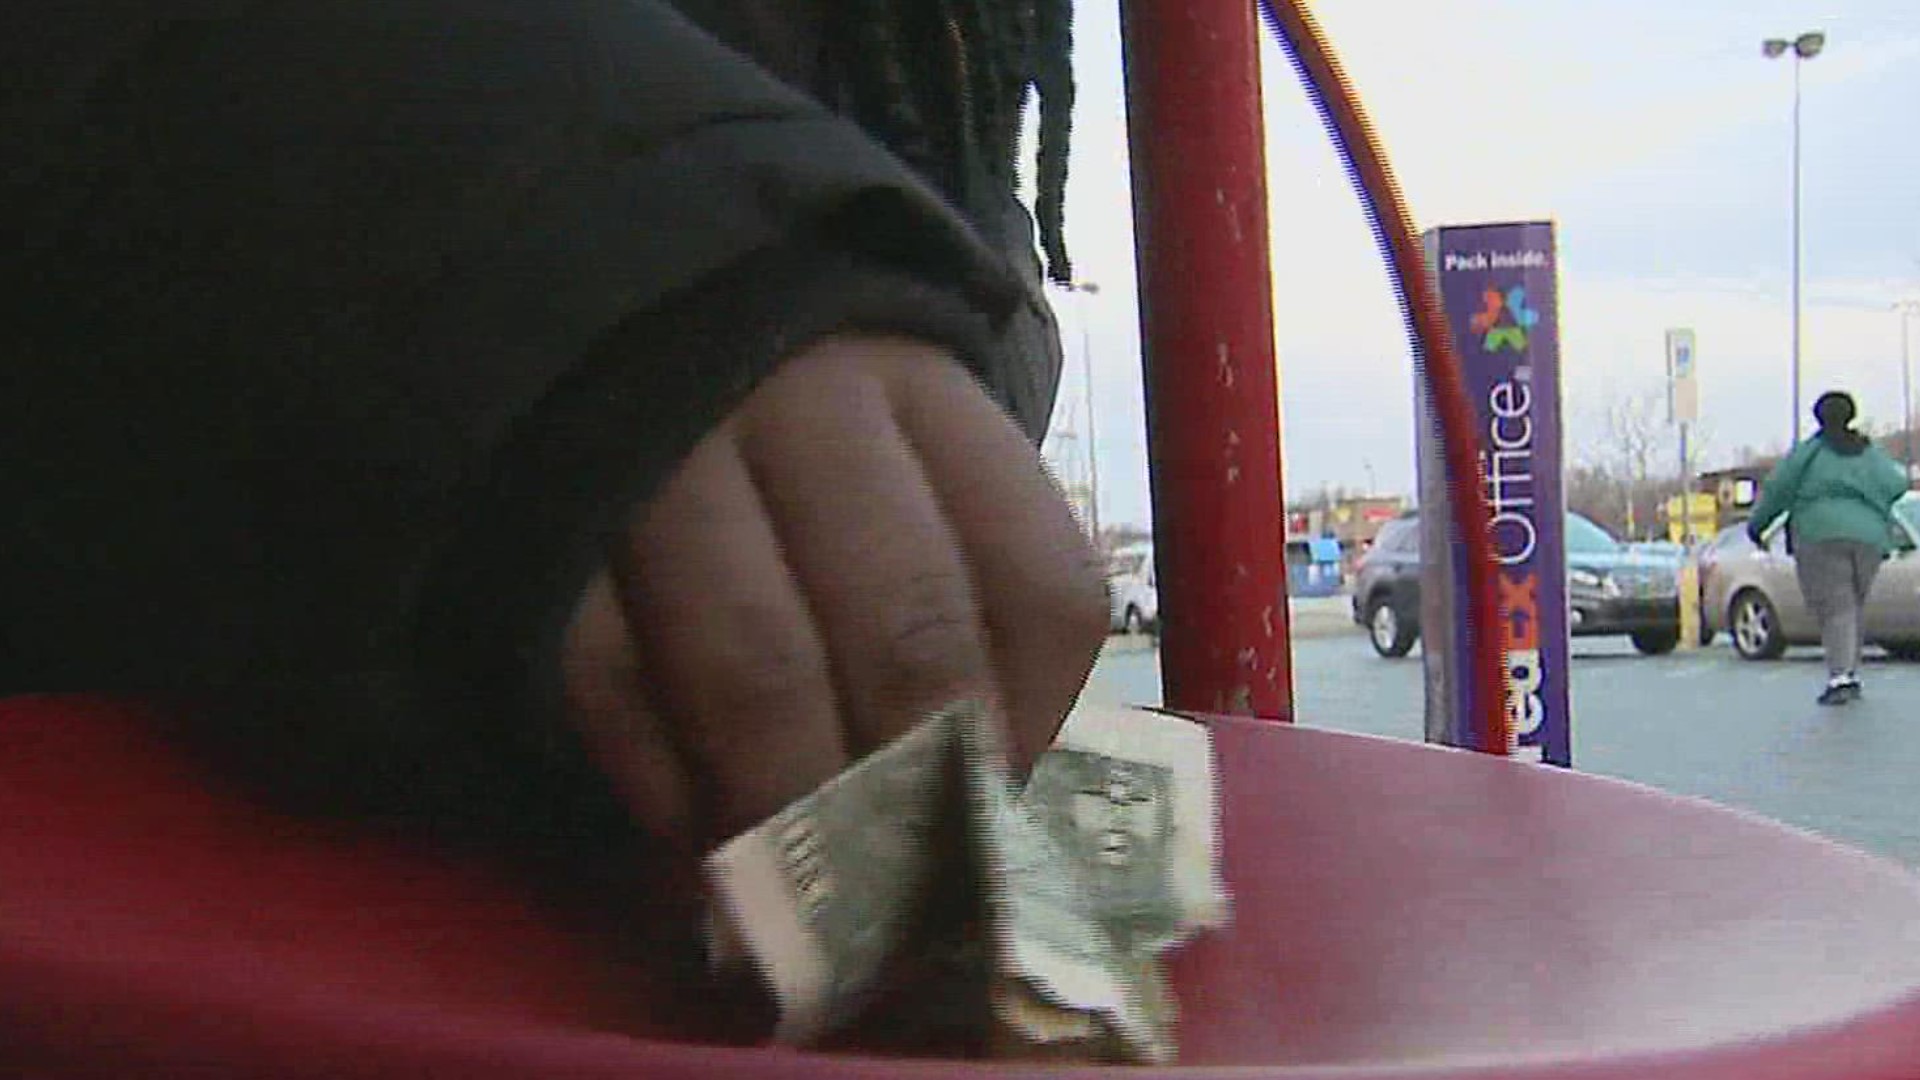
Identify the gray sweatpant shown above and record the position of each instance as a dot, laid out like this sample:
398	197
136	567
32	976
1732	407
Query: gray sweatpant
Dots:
1835	577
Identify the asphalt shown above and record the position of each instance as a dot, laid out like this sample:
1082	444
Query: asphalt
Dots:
1314	617
1705	724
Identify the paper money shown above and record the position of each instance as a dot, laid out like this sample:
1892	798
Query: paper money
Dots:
821	895
1046	932
1079	882
1128	868
1131	794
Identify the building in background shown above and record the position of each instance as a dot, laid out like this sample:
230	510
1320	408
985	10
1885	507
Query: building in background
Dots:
1351	521
1700	521
1336	533
1735	490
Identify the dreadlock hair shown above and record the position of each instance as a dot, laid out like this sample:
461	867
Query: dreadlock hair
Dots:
943	83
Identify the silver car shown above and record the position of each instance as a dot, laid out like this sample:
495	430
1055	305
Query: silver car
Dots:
1753	595
1132	599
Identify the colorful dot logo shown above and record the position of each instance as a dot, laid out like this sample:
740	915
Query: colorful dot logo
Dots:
1504	320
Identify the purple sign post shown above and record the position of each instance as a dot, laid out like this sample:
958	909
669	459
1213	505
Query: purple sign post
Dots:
1498	285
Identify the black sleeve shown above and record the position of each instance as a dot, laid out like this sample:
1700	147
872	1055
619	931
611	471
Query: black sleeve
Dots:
340	336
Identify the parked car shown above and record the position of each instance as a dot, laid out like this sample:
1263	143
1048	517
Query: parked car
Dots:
1132	596
1754	594
1612	590
1386	587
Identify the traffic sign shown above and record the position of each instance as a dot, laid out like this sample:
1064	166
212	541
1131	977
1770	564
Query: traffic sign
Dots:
1683	387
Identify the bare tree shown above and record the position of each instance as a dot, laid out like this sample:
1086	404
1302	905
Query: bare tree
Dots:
1749	456
1633	467
1595	494
1639	435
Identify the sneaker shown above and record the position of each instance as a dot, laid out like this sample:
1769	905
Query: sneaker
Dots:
1854	691
1839	692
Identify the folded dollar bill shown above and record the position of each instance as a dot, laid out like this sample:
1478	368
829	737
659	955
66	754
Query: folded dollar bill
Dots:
820	895
1080	881
1046	924
1131	795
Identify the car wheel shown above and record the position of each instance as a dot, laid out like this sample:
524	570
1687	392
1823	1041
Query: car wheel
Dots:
1391	635
1756	627
1656	642
1908	651
1136	624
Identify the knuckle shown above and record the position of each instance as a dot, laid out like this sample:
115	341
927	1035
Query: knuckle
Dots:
928	643
1073	598
765	672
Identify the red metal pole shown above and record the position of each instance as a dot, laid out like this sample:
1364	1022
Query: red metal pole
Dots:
1213	424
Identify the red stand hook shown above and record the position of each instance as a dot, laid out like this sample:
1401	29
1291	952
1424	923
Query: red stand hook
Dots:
1434	352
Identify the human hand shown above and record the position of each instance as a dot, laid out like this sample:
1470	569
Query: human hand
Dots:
866	538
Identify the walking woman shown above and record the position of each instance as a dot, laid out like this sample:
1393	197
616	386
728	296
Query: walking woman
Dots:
1838	491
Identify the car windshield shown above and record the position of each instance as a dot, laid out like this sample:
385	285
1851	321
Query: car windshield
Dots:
1586	538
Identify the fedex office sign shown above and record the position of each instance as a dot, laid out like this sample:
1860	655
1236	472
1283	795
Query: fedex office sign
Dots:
1497	283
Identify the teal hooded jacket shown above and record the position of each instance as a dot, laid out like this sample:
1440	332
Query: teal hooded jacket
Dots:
1835	486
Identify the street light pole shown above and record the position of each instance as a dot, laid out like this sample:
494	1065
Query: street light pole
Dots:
1805	47
1906	309
1795	439
1085	289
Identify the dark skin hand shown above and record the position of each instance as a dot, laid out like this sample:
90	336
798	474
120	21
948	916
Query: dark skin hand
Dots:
867	537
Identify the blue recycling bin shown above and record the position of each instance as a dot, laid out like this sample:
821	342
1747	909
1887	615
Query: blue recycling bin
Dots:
1314	571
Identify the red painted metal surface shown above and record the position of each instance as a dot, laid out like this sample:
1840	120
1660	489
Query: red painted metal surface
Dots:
152	924
1200	213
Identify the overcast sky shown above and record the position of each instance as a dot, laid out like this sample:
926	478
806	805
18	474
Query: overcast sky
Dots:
1655	135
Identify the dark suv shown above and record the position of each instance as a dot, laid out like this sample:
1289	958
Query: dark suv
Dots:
1386	587
1611	590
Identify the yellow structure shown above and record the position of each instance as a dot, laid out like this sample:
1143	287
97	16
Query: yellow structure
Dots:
1694	516
1689	605
1702	514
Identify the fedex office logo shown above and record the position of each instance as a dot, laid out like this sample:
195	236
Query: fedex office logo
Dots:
1507	471
1504	319
1520	644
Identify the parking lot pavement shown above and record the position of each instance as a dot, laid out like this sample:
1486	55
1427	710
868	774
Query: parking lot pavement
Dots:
1315	617
1706	724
